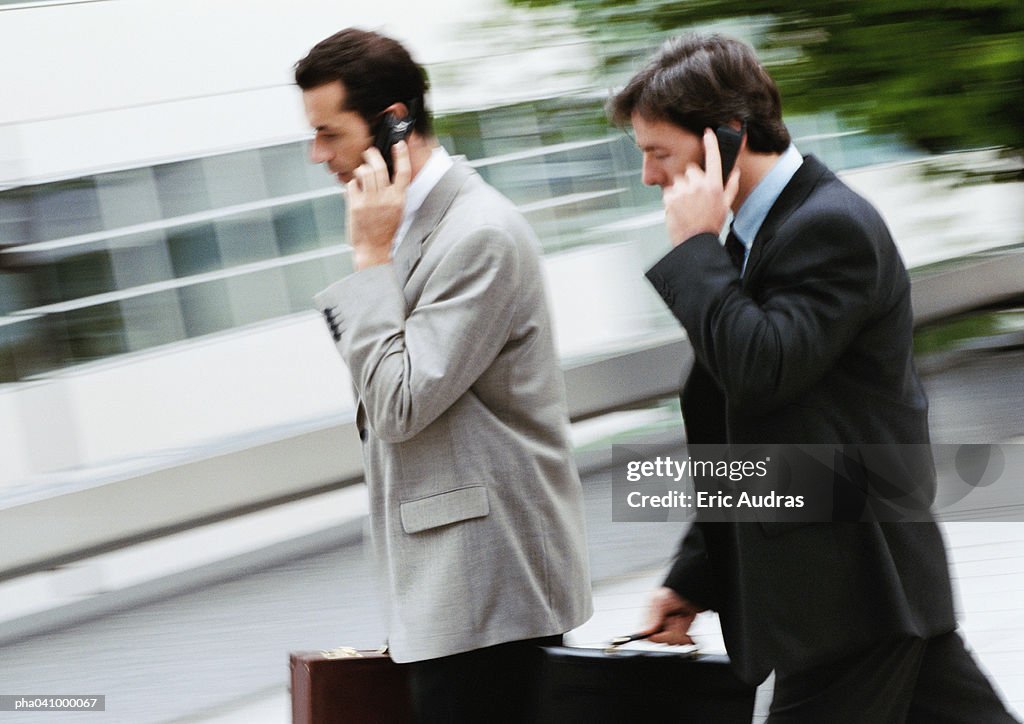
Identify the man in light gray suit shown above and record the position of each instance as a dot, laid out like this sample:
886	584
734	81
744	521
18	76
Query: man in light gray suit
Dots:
476	506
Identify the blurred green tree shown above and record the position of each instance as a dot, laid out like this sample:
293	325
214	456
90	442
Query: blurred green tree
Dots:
942	75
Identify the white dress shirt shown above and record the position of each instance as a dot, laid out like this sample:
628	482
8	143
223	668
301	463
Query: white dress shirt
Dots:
419	188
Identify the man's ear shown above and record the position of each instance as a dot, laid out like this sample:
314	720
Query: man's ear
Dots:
398	110
741	126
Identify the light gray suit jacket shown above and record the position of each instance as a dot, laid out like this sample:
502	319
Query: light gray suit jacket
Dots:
475	505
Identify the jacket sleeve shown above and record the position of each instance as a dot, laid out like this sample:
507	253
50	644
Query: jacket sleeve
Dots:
408	367
815	298
690	575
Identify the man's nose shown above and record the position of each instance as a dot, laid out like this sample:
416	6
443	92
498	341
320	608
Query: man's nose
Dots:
318	153
649	174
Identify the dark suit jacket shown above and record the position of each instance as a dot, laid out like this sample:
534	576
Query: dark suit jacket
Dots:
811	346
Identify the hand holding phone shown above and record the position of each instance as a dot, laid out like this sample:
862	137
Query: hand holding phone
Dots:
698	201
375	205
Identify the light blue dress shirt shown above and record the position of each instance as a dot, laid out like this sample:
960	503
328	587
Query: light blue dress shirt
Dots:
755	209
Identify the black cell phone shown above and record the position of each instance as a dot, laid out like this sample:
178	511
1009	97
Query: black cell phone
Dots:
390	131
729	140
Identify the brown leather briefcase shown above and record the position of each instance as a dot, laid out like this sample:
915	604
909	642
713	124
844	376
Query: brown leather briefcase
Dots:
346	686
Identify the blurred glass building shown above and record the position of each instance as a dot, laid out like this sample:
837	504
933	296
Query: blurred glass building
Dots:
116	262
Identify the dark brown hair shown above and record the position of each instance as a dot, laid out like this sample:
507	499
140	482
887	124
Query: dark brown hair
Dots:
375	70
704	81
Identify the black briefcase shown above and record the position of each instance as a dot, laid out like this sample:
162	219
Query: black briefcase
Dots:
614	686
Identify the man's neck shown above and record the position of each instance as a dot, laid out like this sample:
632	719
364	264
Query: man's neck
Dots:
753	168
420	148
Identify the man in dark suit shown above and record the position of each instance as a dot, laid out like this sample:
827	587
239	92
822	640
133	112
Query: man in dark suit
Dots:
801	328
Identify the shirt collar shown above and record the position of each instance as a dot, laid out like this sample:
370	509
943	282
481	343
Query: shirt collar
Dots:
419	188
755	208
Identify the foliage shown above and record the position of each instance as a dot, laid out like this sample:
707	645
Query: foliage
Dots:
943	75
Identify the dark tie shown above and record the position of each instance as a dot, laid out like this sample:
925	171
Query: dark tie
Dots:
736	250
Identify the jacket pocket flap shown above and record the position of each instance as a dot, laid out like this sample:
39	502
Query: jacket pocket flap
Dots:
444	508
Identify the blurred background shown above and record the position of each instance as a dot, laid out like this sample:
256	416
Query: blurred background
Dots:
177	458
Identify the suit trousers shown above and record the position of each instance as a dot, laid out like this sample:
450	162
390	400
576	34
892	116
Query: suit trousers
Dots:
908	681
493	684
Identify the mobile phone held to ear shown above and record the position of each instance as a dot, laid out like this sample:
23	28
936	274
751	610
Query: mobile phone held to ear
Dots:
390	131
729	140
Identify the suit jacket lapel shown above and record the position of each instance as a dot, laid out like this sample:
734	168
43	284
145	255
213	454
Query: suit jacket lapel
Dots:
799	187
428	217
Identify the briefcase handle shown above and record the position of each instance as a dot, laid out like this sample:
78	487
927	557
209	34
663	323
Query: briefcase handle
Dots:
347	652
618	641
